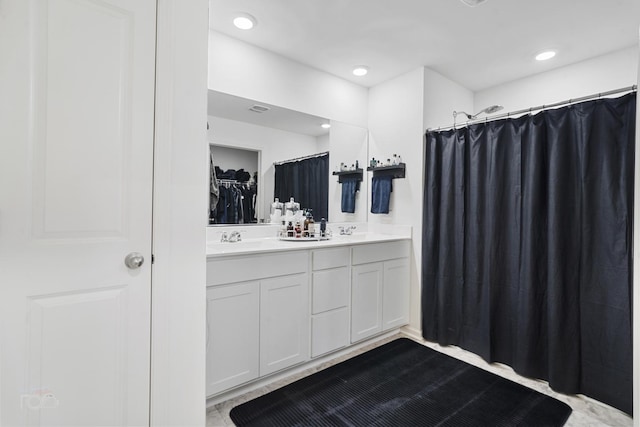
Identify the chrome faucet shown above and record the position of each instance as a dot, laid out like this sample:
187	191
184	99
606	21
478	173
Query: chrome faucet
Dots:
234	236
347	231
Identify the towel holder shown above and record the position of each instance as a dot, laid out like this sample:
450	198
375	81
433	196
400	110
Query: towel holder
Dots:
357	174
395	171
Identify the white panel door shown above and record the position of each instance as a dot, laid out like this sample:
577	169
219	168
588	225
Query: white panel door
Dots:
76	152
284	322
366	300
233	335
395	294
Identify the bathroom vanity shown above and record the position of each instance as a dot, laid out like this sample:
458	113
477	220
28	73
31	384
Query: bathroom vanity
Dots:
273	305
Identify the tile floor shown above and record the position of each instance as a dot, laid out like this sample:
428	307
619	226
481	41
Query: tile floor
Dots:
586	412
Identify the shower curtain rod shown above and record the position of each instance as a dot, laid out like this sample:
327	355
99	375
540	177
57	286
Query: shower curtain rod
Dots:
632	88
297	159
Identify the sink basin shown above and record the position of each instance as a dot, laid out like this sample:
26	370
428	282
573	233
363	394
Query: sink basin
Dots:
355	237
229	247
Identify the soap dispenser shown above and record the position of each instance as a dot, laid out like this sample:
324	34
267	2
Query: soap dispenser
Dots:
311	225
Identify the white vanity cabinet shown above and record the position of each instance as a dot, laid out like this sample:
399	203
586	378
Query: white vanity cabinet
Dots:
379	288
257	316
330	298
271	309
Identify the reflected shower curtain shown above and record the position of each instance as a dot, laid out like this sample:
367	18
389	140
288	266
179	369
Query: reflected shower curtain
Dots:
307	181
527	245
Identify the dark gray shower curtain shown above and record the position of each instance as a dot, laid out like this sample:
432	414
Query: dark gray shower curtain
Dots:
527	245
307	181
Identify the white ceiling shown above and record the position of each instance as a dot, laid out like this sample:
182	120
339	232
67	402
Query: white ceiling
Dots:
479	47
237	108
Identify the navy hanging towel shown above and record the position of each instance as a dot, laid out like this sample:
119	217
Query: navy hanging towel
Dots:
381	189
350	185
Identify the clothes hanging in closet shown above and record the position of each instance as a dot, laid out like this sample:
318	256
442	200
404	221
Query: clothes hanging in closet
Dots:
214	192
236	204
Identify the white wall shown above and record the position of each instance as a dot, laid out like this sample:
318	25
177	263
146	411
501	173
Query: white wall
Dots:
396	125
179	214
612	71
240	69
234	158
441	98
348	143
323	142
273	144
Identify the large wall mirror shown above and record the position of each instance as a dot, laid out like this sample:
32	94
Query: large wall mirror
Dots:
251	137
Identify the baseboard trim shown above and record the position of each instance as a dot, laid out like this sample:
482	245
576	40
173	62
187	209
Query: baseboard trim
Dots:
311	365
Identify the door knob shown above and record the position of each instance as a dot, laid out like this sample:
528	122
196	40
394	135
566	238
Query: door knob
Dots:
134	260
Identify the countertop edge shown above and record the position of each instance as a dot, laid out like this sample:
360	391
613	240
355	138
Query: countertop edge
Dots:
274	245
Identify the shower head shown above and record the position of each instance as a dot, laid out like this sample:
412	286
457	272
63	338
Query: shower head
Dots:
489	110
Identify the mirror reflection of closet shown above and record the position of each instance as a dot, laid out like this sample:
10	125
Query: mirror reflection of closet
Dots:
236	175
280	134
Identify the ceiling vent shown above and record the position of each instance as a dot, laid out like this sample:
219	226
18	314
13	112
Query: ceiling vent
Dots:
259	108
473	3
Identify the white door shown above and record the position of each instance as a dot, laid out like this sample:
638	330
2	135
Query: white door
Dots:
76	144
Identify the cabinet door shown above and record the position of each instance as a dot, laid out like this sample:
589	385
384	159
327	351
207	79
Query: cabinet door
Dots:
233	316
395	294
366	302
330	289
284	322
329	331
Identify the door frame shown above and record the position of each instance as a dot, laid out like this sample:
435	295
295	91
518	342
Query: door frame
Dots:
636	268
178	292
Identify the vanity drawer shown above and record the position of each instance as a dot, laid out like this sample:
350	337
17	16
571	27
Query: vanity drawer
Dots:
330	289
330	258
376	252
329	331
253	267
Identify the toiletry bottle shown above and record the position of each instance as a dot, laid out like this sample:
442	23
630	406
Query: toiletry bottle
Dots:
305	230
276	211
290	229
356	165
298	230
312	224
323	227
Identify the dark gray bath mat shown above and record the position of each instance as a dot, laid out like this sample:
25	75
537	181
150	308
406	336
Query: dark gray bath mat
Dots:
402	383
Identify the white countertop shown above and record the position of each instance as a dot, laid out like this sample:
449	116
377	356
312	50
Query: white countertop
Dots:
272	244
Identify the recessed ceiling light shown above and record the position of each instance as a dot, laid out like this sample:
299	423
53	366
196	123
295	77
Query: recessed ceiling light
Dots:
547	54
244	21
473	3
325	126
360	70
